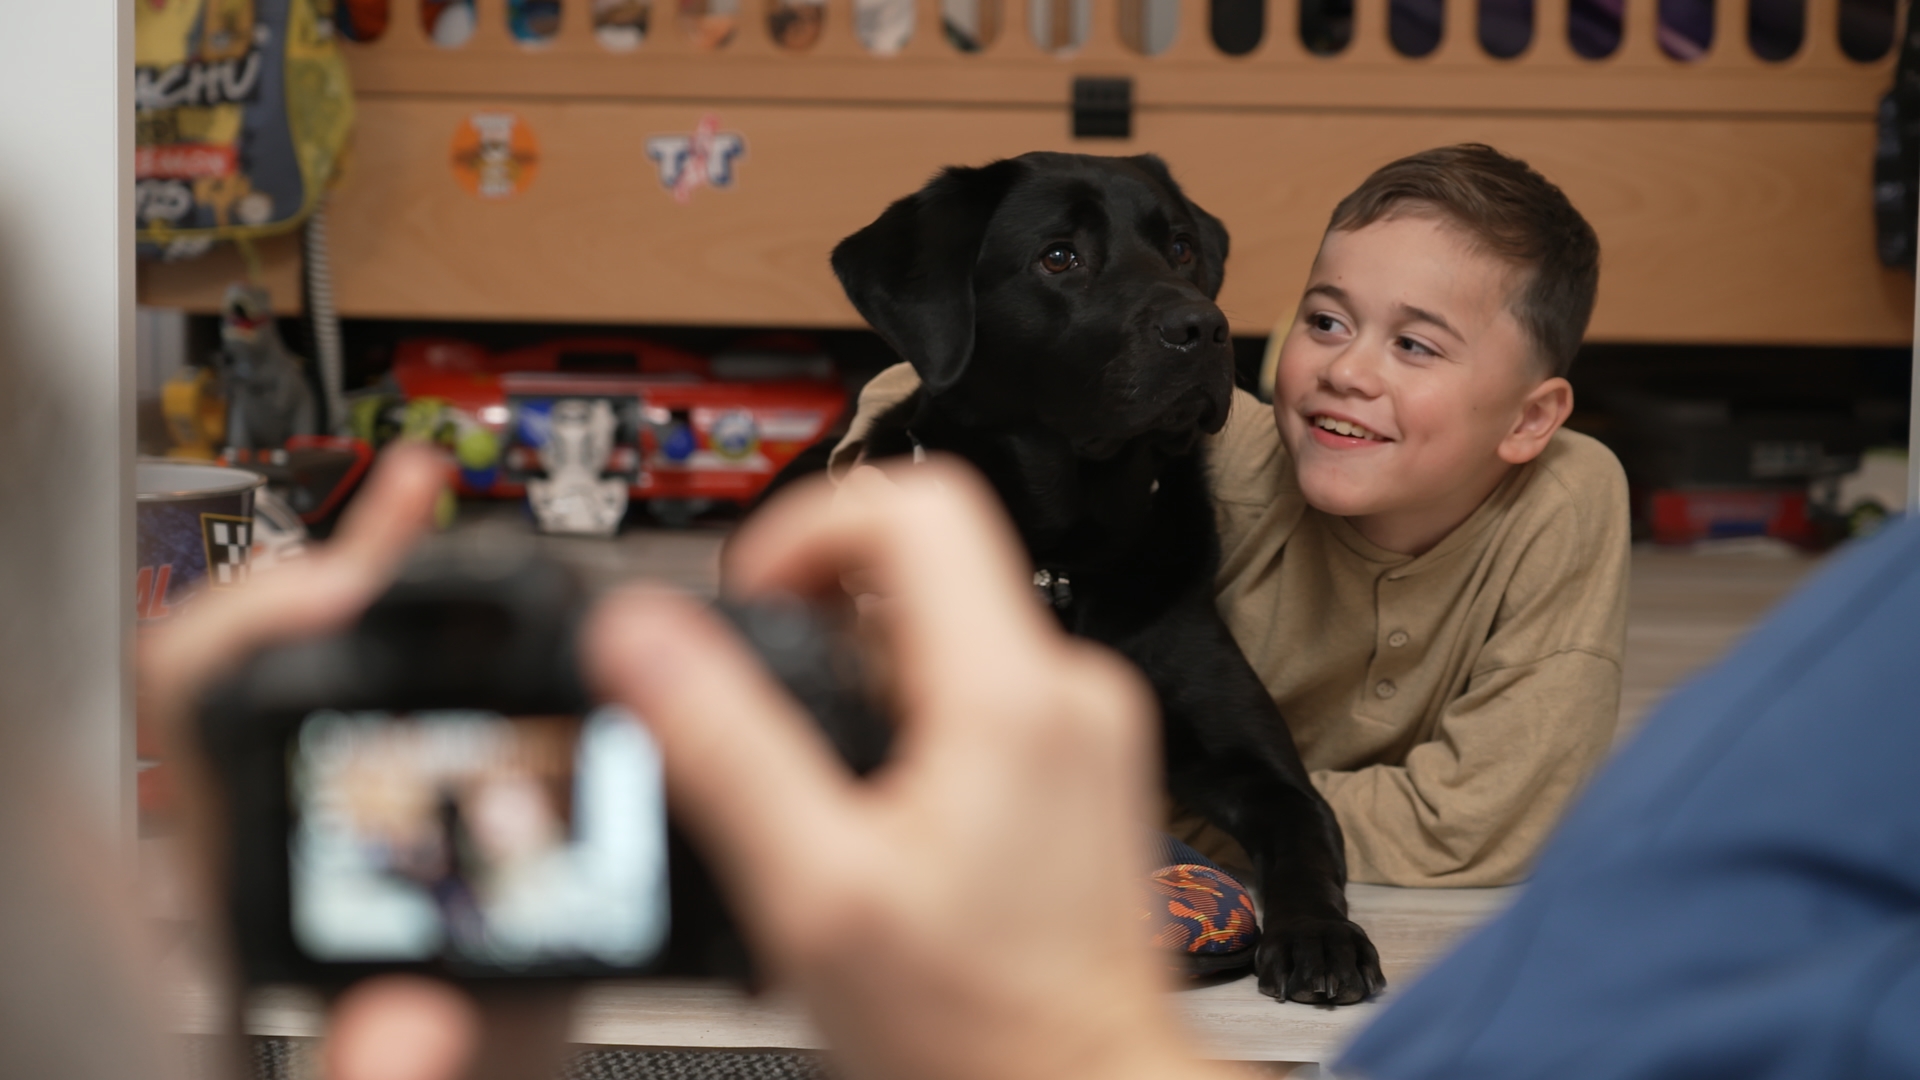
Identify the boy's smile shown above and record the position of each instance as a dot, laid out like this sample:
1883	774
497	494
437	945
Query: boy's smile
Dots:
1407	387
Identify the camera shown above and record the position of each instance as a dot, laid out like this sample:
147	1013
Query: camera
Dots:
436	789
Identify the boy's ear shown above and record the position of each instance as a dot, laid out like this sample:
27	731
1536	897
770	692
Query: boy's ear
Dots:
910	273
1213	235
1545	408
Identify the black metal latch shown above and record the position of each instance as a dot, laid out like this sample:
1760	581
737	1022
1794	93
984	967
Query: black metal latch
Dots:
1102	108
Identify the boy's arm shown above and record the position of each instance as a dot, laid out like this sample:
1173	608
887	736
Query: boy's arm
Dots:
1473	801
1472	806
884	391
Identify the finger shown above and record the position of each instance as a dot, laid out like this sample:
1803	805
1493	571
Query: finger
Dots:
935	539
860	582
755	782
401	1027
391	513
865	473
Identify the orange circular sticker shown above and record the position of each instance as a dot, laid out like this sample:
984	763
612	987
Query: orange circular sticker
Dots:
495	155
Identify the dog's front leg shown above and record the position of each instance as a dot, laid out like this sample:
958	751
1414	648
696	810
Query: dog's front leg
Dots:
1231	759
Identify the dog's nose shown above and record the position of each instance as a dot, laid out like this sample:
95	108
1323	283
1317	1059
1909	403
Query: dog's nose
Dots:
1191	325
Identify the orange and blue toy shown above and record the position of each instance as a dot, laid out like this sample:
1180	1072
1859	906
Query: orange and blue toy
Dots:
1201	919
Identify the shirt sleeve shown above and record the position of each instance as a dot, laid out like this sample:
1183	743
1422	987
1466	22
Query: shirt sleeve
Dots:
882	392
1471	806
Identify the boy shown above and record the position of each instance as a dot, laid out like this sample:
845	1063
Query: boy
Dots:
1427	572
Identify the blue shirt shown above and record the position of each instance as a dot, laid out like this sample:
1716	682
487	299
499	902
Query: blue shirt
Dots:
1738	892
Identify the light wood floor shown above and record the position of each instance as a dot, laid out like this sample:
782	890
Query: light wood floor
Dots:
1686	610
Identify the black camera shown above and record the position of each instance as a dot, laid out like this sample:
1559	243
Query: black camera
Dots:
436	790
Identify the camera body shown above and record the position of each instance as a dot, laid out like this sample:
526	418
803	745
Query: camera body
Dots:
436	790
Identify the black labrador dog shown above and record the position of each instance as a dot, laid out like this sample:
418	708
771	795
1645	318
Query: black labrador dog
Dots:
1059	309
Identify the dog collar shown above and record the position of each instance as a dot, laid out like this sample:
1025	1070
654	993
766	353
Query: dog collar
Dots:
1055	590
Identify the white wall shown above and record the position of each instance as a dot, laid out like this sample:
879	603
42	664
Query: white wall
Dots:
66	403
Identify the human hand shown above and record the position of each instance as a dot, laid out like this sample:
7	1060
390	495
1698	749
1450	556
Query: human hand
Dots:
971	909
862	583
390	1028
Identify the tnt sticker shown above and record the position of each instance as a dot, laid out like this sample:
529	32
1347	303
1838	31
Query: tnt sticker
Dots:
706	158
229	541
495	155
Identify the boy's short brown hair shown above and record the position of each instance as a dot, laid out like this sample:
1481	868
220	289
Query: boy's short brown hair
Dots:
1517	214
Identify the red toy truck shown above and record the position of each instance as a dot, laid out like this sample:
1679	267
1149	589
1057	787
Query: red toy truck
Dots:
693	432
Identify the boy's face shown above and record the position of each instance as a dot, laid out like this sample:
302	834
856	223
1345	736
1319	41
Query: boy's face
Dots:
1402	382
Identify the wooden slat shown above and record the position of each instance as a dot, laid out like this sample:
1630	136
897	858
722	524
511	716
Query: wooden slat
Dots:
404	30
197	285
1014	45
1730	50
753	38
1732	196
1639	37
1369	44
1550	48
1193	39
1460	35
1015	72
1821	48
490	27
1281	46
929	39
666	42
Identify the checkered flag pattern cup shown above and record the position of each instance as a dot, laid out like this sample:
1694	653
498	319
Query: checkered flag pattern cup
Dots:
228	542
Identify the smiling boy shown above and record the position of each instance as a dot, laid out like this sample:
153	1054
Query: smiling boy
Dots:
1427	572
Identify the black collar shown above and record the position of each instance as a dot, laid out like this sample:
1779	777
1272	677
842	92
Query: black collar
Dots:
1055	590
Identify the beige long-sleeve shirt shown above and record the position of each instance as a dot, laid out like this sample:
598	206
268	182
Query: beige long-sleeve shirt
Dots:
1448	705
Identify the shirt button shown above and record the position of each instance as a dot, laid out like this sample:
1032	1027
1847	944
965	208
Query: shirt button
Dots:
1397	638
1385	688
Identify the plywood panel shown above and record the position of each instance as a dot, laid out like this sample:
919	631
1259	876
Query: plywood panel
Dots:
1714	228
1191	74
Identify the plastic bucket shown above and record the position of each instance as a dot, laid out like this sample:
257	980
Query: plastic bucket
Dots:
195	525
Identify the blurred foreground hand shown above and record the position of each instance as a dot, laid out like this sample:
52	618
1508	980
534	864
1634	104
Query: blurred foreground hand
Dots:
970	909
398	1028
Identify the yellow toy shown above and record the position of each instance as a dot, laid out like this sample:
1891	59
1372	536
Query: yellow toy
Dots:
195	406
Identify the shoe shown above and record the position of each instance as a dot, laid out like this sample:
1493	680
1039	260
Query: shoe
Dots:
1198	915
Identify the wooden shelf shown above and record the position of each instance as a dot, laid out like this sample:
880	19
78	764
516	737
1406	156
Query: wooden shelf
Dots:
1732	197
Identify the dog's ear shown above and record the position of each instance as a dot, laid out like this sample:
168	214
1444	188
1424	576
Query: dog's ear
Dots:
910	273
1213	235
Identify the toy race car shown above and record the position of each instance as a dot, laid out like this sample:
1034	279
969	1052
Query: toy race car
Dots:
684	432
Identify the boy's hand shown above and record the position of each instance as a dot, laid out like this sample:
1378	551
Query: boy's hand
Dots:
970	909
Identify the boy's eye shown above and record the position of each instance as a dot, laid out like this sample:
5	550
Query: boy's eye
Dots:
1414	347
1182	250
1059	259
1326	324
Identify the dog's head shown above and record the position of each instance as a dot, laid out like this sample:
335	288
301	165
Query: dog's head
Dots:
1073	289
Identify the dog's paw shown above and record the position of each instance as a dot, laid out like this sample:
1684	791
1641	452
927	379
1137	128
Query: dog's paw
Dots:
1318	961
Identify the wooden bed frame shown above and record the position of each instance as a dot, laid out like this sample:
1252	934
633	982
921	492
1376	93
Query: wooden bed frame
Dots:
1732	196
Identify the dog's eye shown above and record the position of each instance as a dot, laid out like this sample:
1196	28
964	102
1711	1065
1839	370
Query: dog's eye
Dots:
1182	250
1059	259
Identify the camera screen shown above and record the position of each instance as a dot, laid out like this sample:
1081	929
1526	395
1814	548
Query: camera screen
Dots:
479	838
